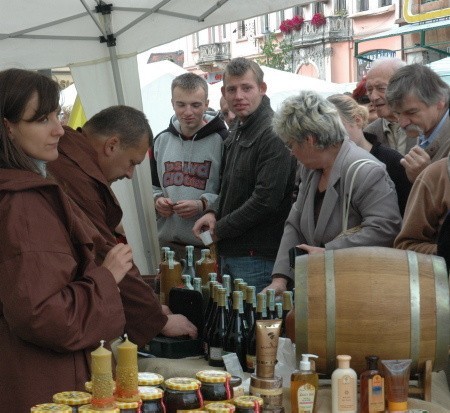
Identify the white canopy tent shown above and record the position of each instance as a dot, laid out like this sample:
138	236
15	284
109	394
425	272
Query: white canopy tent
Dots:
100	42
442	68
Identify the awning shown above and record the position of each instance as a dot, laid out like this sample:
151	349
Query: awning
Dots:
421	28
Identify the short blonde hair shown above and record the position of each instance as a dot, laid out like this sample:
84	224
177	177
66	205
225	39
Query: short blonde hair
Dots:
309	114
349	109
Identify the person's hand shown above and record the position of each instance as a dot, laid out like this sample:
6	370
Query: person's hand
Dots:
279	284
166	310
205	223
178	325
119	261
311	249
164	206
414	162
188	208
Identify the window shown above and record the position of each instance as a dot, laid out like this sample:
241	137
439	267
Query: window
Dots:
318	7
195	41
241	29
383	3
264	24
297	11
279	18
341	5
363	5
212	34
224	31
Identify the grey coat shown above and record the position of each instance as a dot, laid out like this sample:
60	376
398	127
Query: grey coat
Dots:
374	206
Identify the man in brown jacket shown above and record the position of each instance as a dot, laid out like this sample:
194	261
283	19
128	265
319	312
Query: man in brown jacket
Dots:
106	149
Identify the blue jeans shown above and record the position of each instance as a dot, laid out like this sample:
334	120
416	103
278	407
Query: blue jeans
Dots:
255	271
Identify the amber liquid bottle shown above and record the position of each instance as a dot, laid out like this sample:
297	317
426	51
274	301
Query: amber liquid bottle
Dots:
371	388
205	265
235	340
218	331
170	277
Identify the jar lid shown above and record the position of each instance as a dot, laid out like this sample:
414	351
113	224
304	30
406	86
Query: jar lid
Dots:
72	398
51	407
213	376
127	405
150	393
88	408
149	379
182	383
248	401
220	407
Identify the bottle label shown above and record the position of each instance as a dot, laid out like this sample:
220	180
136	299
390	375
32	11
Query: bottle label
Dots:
305	398
250	361
347	393
376	393
215	353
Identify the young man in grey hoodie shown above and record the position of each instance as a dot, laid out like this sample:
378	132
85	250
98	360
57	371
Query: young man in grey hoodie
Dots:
185	163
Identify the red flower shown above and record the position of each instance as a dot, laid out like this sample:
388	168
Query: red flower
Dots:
318	20
297	22
286	26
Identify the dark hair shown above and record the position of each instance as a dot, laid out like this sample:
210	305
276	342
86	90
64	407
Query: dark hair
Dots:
239	67
190	81
417	80
17	87
128	123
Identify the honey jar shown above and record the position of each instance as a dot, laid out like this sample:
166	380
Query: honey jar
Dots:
182	393
221	408
248	404
151	399
87	408
51	407
215	385
128	407
74	399
150	379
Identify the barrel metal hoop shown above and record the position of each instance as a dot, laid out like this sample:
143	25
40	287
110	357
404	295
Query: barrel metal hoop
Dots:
330	309
301	305
442	313
414	289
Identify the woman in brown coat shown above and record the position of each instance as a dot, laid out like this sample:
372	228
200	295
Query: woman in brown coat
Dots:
56	302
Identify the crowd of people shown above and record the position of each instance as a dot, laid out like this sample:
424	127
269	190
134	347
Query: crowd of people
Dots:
368	169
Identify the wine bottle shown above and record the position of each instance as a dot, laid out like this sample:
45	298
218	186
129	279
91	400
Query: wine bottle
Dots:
218	331
271	314
198	284
236	281
287	306
226	282
210	319
250	307
261	314
189	262
208	314
186	278
235	339
279	310
261	306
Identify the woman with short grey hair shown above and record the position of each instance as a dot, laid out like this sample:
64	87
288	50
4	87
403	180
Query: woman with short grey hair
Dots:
311	127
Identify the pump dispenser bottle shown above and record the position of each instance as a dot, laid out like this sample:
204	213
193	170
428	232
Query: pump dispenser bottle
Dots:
343	387
304	387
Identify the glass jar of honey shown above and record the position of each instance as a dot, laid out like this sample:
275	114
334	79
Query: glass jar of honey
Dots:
51	407
151	399
150	379
88	408
74	399
182	393
215	385
220	408
248	404
128	407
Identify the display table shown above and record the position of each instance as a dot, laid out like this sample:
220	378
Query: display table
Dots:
440	394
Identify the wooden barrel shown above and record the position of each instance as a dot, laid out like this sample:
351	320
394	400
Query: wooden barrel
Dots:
372	300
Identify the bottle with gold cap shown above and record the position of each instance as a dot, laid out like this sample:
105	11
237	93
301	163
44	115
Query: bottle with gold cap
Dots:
182	393
74	399
218	330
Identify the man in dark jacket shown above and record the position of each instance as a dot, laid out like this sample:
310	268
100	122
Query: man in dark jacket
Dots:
257	181
108	148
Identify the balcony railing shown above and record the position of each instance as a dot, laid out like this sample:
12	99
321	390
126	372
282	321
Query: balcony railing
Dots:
212	53
336	28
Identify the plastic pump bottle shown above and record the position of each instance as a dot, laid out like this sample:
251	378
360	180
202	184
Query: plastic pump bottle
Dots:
304	386
343	387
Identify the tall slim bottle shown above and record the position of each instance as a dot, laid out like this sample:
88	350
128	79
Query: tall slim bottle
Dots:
170	277
198	284
371	388
236	282
261	314
235	340
226	282
207	316
218	331
189	262
287	306
271	313
250	307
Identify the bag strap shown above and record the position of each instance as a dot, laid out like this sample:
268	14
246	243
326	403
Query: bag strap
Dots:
348	197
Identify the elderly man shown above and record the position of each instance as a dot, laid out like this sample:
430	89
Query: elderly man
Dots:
386	127
108	148
420	98
257	181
